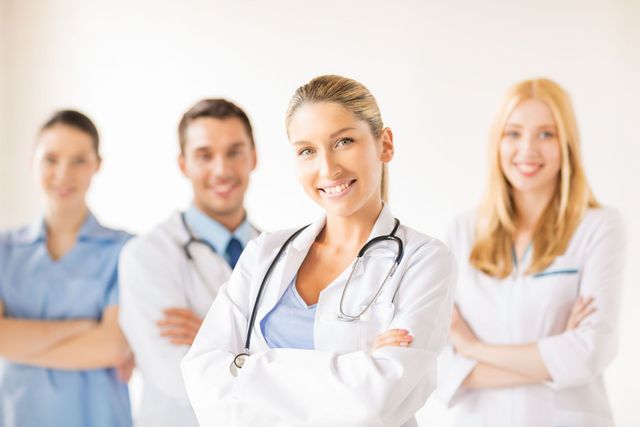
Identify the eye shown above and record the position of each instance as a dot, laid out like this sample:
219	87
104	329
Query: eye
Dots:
512	134
546	134
305	152
344	141
233	153
79	161
203	156
50	160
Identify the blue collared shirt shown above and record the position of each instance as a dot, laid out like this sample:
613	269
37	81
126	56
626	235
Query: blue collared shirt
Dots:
80	285
208	229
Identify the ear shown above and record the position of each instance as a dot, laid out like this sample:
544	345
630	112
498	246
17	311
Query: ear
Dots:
254	158
182	163
387	145
98	164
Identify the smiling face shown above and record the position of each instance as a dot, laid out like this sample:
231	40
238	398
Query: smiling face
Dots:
530	155
218	159
339	160
65	161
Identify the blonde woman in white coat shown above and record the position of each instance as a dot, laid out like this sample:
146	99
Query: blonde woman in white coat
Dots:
306	366
540	277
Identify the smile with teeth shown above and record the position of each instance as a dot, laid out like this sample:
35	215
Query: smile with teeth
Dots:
528	168
222	188
337	189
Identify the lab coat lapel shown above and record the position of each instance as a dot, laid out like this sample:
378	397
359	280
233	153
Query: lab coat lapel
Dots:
288	266
386	249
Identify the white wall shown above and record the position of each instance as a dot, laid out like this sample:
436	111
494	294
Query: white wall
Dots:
4	177
437	69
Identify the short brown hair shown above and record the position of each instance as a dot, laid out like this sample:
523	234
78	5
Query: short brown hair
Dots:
216	108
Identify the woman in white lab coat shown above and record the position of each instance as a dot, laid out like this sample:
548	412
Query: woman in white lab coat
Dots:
540	270
306	366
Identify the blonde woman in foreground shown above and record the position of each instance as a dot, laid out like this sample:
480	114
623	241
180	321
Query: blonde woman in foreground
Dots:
540	278
346	316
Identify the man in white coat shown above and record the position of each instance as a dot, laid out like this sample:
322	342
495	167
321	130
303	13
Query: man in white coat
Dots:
170	277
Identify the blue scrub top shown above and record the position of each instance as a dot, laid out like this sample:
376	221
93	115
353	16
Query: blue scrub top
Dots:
79	285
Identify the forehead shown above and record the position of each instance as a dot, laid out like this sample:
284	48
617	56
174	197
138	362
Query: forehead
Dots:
215	133
531	112
64	139
321	119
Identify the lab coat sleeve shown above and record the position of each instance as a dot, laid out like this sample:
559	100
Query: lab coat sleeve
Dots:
454	368
575	357
205	368
316	388
149	283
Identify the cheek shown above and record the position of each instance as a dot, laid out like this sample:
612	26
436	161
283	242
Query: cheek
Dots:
553	157
505	153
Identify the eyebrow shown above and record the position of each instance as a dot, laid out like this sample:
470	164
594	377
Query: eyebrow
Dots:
516	125
333	135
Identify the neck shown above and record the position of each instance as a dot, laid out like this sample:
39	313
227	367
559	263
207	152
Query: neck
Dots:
530	205
65	221
230	220
351	230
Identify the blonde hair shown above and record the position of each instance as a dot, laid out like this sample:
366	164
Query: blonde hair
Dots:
492	252
350	94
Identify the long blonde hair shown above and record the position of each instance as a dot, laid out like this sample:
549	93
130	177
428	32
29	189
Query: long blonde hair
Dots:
350	94
492	252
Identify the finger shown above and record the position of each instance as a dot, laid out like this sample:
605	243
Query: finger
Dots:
392	343
179	321
583	315
394	333
403	340
177	332
182	312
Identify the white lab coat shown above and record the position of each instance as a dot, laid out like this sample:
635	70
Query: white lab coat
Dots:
340	383
524	309
155	274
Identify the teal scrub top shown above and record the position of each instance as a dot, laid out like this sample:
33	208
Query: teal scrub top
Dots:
79	285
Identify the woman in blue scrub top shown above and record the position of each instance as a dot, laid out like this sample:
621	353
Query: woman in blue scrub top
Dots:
63	358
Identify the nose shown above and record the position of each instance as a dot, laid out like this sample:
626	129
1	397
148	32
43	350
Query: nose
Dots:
62	171
329	167
528	141
220	166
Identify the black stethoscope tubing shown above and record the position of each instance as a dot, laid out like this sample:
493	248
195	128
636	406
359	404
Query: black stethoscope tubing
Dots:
239	359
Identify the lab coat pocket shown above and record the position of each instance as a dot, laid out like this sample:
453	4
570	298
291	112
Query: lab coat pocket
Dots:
374	322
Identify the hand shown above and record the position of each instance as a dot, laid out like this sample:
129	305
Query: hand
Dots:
180	325
582	308
125	370
460	334
393	338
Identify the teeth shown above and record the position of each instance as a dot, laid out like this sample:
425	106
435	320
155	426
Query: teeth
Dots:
528	167
222	187
337	189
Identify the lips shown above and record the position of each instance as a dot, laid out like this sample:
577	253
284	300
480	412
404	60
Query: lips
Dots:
528	168
337	189
63	192
223	189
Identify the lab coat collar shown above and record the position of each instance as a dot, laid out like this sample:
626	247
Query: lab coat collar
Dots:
383	226
91	229
298	249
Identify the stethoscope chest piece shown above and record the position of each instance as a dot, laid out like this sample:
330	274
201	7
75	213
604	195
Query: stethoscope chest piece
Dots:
238	363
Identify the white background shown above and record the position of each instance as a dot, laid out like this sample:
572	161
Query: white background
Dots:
437	69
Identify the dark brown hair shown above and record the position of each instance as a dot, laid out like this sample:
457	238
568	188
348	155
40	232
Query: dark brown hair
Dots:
217	108
77	120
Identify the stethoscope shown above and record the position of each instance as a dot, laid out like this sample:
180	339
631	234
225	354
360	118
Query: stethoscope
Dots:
193	239
239	359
